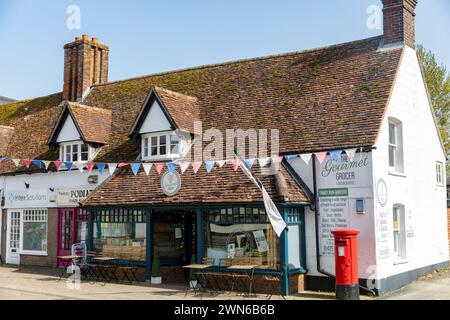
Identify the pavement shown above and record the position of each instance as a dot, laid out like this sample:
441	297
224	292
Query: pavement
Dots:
39	283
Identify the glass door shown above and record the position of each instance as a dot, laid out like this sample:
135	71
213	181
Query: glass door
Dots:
67	234
13	237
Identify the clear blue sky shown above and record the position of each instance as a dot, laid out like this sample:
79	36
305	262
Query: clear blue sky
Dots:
152	36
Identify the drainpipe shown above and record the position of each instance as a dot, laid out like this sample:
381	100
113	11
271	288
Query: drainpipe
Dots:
316	216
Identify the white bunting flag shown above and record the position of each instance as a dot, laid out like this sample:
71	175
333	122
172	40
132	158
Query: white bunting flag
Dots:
80	166
184	166
147	167
220	163
112	167
46	164
351	153
16	162
306	157
263	162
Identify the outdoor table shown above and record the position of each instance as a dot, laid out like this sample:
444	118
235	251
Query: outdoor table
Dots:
66	260
248	271
201	268
108	277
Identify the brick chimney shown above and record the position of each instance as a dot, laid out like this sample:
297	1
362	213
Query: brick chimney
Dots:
399	22
85	64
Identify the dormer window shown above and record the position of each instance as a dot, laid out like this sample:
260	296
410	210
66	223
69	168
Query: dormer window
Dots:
76	152
161	145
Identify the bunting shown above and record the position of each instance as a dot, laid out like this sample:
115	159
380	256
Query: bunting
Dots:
335	155
147	167
320	156
306	157
135	168
112	168
171	166
209	166
159	167
184	166
196	166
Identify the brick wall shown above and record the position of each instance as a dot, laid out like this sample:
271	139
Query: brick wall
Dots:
399	21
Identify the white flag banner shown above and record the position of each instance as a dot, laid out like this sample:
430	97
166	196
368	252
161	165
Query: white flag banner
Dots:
184	166
351	153
275	217
112	167
220	163
263	162
306	157
80	166
46	164
147	167
16	162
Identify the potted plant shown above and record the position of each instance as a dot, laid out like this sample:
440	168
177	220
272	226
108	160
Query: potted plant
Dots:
156	272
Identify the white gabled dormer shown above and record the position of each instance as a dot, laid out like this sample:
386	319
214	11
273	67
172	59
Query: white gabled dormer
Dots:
164	125
80	132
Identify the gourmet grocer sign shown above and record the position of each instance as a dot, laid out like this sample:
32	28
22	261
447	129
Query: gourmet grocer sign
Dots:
346	172
72	197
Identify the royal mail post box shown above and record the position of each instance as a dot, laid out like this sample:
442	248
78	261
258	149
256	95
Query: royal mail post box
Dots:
346	264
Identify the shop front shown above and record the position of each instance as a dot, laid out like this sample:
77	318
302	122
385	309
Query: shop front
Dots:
187	234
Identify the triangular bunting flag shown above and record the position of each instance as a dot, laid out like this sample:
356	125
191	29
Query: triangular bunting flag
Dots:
250	162
27	163
135	168
68	165
122	164
159	167
351	153
306	157
80	166
58	164
235	164
277	159
291	157
220	163
196	166
171	166
320	156
209	165
46	164
16	162
147	167
37	163
90	166
112	168
263	162
335	155
184	166
101	167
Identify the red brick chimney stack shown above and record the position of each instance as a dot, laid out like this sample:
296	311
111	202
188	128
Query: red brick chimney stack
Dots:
85	63
399	22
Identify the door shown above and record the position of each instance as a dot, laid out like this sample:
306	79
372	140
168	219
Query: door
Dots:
66	232
13	237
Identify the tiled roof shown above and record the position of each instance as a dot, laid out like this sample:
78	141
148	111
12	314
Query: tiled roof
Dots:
94	123
219	186
5	135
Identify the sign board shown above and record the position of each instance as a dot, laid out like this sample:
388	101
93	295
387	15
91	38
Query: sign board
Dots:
72	196
261	241
28	198
382	232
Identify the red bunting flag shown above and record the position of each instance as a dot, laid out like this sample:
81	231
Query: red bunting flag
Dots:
57	164
159	167
196	166
89	166
277	159
320	156
122	164
235	164
27	163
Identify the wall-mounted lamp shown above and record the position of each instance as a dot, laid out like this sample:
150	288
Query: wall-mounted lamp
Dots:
51	189
27	185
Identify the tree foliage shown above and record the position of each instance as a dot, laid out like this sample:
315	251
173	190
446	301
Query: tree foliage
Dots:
438	83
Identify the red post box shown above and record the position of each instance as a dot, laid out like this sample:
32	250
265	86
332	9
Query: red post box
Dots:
346	263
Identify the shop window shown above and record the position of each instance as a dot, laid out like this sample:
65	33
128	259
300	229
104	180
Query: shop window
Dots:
34	231
241	235
121	234
439	173
395	146
294	248
159	146
399	233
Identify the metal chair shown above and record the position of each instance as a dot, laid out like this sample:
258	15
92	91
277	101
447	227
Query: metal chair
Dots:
129	270
275	283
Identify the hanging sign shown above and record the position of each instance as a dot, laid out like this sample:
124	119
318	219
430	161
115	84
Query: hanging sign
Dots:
261	241
72	196
170	183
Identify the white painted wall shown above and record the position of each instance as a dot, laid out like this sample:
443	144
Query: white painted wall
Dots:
155	121
425	202
69	131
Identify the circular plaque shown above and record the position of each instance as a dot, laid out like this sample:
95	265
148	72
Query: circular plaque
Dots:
382	193
170	183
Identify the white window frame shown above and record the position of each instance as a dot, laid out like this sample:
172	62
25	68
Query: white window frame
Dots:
399	242
396	146
440	174
62	151
146	147
23	213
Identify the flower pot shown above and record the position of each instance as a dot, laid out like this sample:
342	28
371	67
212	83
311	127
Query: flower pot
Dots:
156	280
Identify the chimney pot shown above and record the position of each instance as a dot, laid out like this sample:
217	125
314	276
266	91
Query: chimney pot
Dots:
94	40
77	38
85	37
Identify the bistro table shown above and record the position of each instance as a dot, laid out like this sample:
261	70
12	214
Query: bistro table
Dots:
201	268
248	272
105	267
67	260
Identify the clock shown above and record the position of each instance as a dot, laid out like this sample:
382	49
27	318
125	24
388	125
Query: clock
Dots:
170	183
382	193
